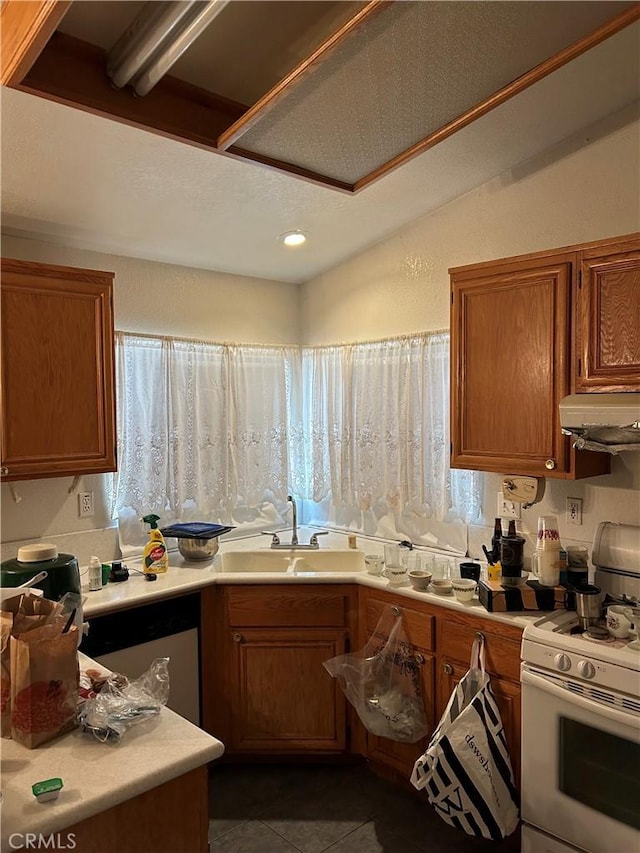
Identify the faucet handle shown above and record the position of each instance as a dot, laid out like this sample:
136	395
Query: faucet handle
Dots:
314	539
275	539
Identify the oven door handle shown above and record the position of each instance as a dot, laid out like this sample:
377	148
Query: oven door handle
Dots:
612	714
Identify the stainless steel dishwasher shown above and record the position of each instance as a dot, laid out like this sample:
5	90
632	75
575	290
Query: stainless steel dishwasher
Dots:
127	641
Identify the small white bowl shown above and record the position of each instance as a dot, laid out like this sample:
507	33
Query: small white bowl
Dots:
464	588
420	580
442	586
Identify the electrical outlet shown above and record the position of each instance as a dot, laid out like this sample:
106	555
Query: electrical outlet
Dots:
85	504
574	511
507	508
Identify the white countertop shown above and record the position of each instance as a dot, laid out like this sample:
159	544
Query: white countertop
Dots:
181	579
96	775
184	577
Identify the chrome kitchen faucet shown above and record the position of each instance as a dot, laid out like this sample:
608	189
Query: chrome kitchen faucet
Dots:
275	539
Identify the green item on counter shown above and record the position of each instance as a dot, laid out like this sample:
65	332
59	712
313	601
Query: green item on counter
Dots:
106	571
49	789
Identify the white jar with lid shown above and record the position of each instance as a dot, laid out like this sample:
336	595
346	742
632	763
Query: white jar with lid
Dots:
95	574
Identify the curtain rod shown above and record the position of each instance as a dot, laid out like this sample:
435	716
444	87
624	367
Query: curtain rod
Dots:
393	339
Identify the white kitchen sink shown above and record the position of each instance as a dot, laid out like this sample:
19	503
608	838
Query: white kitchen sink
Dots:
331	560
292	561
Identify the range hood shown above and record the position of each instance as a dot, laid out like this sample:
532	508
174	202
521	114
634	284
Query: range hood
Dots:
606	422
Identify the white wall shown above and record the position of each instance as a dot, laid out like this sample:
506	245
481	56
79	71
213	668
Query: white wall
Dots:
148	297
569	195
401	285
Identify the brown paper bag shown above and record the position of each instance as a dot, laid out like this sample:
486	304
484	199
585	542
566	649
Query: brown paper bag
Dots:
21	614
44	683
6	623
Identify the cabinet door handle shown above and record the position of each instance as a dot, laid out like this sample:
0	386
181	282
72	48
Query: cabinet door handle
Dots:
237	638
446	667
4	471
419	658
550	464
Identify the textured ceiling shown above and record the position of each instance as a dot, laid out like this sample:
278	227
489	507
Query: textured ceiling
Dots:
88	181
409	71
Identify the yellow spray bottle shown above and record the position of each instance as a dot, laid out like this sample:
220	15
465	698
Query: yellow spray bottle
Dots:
155	558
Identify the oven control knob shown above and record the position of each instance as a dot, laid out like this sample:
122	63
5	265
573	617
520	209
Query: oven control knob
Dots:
586	669
562	662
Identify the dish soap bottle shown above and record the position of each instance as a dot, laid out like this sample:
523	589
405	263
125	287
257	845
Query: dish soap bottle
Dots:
155	558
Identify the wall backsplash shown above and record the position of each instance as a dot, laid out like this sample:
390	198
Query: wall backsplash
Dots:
612	497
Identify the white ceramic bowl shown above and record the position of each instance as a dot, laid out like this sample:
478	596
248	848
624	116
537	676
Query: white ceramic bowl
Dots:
464	588
442	586
420	580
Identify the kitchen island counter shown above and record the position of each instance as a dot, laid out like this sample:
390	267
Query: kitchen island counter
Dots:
99	777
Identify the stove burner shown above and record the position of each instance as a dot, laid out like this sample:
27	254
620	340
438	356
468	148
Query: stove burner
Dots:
597	633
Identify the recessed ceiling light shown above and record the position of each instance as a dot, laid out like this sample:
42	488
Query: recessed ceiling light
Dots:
293	238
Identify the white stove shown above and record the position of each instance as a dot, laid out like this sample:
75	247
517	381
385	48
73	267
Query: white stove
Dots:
581	719
557	643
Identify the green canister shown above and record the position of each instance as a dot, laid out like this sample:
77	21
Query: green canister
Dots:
62	570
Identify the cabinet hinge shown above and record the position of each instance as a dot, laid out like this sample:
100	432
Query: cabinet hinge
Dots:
579	367
450	448
452	297
579	279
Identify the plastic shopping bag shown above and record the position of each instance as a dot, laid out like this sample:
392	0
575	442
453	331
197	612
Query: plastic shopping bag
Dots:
382	682
466	771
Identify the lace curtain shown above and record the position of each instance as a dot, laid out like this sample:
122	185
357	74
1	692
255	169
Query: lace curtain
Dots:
359	433
377	441
203	432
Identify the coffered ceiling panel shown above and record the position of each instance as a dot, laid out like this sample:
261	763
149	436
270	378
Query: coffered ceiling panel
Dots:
407	72
338	93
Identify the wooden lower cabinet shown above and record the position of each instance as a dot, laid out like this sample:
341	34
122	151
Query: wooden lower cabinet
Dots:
507	695
402	756
443	639
282	698
173	816
265	689
419	628
456	633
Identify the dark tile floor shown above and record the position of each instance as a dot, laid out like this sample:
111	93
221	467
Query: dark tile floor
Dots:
294	809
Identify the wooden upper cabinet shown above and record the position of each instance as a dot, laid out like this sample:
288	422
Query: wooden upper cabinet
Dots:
529	330
608	319
510	347
56	371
